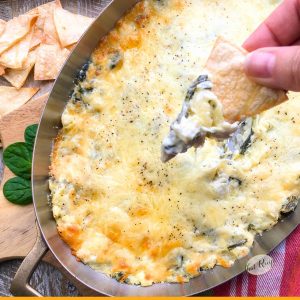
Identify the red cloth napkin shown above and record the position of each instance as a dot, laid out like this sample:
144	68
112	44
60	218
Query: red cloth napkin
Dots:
282	280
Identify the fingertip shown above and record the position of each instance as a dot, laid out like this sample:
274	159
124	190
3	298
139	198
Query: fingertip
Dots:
248	45
260	64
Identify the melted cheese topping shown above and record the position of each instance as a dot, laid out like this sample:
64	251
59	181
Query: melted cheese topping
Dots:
123	211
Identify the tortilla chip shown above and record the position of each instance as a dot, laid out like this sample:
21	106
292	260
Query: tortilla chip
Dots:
37	37
45	12
2	70
15	56
17	78
15	29
12	98
45	22
70	26
2	25
49	60
71	47
50	34
49	6
37	32
44	7
240	96
33	11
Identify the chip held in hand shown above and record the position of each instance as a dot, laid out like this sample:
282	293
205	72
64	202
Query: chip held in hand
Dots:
241	97
221	97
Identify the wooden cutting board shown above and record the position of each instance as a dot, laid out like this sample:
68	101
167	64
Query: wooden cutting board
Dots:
17	223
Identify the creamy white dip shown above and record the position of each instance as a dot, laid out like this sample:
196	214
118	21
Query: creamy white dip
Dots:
201	116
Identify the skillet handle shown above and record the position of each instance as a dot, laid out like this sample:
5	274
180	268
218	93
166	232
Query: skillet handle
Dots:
20	284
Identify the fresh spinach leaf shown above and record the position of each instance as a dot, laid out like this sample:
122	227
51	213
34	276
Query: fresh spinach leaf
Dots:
30	134
18	157
18	191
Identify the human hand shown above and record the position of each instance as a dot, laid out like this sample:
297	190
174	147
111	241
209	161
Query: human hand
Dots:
275	60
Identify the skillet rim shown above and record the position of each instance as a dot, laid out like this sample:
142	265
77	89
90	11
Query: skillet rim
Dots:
47	131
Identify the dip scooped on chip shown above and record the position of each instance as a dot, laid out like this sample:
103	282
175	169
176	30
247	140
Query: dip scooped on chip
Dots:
218	100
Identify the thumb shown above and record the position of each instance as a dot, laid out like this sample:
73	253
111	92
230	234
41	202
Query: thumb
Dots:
277	67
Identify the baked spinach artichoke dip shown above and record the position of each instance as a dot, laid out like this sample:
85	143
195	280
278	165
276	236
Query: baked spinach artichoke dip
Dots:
121	209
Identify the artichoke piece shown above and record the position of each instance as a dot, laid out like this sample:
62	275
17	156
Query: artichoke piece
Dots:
291	205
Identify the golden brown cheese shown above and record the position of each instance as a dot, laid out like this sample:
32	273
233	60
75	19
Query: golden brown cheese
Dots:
123	211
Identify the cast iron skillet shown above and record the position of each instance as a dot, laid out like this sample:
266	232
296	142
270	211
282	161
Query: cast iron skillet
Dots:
48	129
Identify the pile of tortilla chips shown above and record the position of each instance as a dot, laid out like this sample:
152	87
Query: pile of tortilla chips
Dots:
39	40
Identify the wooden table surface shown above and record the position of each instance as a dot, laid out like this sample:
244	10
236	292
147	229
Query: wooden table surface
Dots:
46	279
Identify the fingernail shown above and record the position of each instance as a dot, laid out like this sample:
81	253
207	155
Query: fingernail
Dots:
260	64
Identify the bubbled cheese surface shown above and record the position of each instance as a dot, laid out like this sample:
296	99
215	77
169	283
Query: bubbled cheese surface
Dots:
123	211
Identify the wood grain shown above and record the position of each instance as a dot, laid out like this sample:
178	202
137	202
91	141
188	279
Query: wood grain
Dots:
47	280
17	221
17	226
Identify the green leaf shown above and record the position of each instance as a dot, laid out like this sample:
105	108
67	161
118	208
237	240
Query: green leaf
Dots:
18	191
18	157
30	134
